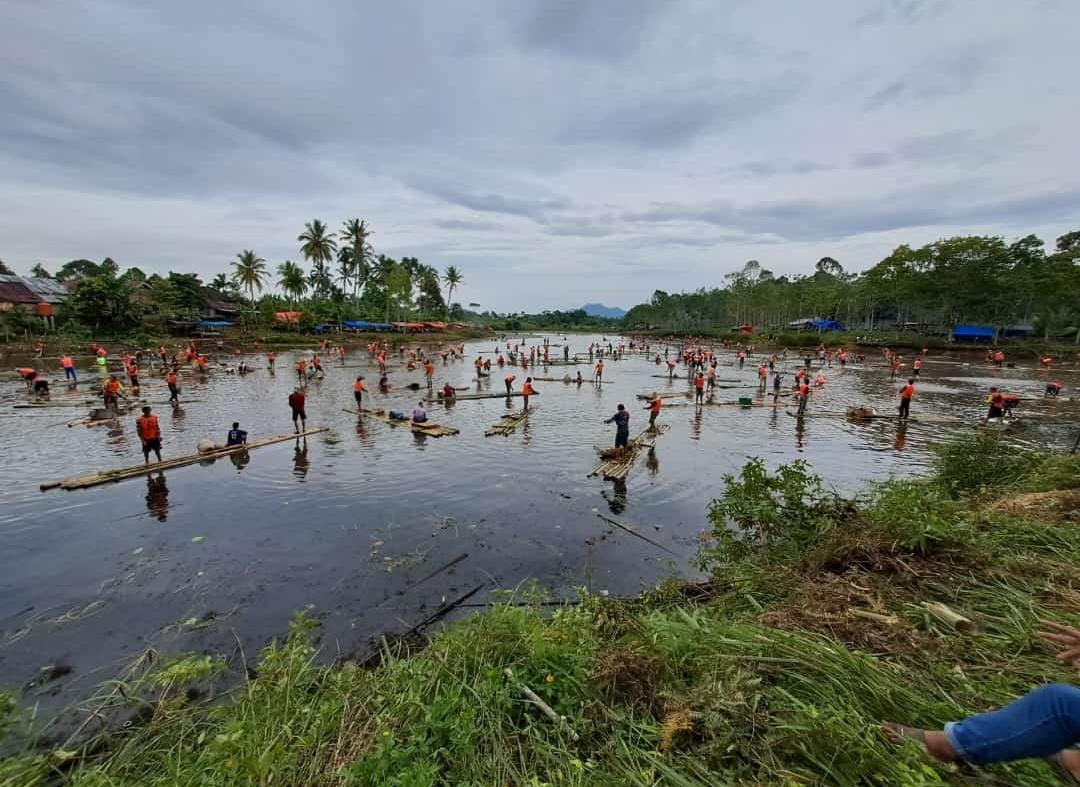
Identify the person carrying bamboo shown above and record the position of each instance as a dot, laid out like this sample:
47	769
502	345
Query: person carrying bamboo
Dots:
654	409
149	432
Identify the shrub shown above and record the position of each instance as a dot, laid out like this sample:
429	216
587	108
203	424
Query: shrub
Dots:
981	460
776	515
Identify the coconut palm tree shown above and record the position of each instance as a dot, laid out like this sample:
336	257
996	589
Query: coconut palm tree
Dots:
355	233
453	279
318	247
292	281
250	272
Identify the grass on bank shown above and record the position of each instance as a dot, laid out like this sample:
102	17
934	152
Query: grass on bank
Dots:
812	631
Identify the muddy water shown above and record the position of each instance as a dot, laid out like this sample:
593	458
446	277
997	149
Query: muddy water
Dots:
347	523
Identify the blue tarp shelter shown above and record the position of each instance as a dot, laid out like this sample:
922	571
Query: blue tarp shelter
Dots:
826	325
364	325
972	333
208	325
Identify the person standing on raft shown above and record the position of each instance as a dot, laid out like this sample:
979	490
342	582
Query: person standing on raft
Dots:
358	391
149	433
621	419
527	390
297	401
654	409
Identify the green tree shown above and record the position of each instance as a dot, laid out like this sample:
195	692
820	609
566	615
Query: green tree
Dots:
354	236
398	285
76	270
453	279
104	301
292	281
190	299
250	272
39	271
1070	241
318	247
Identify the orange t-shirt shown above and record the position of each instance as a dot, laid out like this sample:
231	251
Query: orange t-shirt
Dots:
907	391
171	378
699	382
657	403
112	387
147	427
66	362
358	386
527	389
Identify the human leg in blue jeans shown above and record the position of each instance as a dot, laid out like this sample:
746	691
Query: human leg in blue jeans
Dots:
1043	723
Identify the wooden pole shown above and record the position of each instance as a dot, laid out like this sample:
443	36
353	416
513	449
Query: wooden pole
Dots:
546	709
124	473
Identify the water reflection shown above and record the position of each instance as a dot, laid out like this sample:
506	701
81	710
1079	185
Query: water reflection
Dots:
157	496
301	465
652	462
617	498
240	459
901	437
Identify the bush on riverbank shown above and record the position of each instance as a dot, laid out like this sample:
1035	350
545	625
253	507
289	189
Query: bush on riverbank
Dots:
812	631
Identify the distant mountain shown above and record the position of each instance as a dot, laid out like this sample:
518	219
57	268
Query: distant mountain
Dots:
600	310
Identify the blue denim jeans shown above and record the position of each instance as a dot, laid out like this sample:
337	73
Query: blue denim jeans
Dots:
1039	724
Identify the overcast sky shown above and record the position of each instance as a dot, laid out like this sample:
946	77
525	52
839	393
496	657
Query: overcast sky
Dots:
556	151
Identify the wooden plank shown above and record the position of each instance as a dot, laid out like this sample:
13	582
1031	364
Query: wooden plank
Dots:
124	473
428	427
509	422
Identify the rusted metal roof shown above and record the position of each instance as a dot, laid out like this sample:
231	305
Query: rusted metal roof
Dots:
48	290
16	292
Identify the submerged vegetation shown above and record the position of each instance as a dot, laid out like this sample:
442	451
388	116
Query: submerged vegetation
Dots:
822	618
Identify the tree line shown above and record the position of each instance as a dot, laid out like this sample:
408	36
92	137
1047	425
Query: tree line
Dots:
344	279
970	279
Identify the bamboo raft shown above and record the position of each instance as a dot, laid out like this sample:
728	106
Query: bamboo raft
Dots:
616	462
124	473
509	423
571	380
463	397
428	428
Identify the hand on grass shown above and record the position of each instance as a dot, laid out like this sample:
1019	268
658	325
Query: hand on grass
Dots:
1066	636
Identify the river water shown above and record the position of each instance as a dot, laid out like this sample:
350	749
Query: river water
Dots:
346	524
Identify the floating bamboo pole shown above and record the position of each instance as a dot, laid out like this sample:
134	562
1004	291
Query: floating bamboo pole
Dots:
124	473
618	462
429	428
509	423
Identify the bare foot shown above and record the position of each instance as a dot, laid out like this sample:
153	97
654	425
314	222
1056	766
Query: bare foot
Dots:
1067	762
935	741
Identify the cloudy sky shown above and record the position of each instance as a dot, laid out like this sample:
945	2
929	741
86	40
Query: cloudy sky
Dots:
556	151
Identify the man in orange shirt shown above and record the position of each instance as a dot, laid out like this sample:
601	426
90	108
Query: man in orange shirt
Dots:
270	358
699	387
599	371
509	380
804	395
916	365
133	375
69	368
149	433
654	409
358	391
110	392
527	390
906	393
301	372
174	388
429	372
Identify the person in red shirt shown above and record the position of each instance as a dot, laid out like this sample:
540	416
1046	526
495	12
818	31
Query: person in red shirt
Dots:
358	391
149	433
804	396
654	409
699	387
133	375
527	390
174	388
999	359
271	357
509	380
1047	362
906	393
916	365
297	401
599	371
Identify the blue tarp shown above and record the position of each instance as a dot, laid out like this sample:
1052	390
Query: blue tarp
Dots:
972	333
364	325
208	324
826	325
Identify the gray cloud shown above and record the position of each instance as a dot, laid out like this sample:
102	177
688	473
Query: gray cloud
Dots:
568	135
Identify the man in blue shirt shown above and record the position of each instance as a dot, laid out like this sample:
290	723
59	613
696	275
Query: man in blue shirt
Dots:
237	436
621	420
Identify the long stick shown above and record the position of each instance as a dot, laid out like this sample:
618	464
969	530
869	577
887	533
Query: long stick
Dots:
124	473
546	709
443	611
633	532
